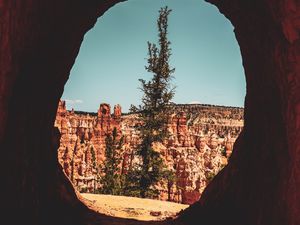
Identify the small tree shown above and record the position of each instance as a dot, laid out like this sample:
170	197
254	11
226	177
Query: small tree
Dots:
170	178
112	179
153	113
94	167
93	157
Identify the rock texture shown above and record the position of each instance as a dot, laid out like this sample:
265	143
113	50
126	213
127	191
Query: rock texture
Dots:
82	143
39	42
201	139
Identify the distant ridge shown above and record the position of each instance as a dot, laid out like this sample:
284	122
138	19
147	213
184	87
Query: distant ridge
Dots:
208	105
187	106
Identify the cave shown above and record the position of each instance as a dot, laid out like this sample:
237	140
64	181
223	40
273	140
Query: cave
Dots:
39	43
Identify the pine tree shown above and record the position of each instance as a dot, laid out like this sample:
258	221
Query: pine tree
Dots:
94	167
111	182
153	113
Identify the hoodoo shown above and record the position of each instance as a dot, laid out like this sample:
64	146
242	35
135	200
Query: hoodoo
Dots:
200	143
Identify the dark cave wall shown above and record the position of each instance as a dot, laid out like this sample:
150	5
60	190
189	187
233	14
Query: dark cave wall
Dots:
39	41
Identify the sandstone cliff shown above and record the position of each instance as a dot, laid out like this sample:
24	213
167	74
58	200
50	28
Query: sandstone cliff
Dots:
201	139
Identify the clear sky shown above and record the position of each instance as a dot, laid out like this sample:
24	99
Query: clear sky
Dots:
113	55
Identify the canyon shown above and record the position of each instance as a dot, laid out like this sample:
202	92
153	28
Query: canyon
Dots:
200	142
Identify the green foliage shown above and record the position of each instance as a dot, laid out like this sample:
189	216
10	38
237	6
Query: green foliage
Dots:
131	183
93	157
153	113
84	190
209	176
223	151
95	167
170	177
112	179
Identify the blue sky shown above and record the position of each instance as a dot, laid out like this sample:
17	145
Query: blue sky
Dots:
113	55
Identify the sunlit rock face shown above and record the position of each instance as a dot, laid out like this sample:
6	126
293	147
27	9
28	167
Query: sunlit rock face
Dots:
200	142
82	143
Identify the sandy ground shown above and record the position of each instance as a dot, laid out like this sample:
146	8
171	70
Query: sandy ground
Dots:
131	207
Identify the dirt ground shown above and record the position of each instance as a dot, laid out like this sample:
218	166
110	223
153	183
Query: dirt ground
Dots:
131	207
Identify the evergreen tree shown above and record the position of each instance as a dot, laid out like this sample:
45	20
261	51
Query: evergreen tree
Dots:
112	179
153	112
94	167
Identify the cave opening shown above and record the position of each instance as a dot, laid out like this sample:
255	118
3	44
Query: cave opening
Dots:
259	184
210	127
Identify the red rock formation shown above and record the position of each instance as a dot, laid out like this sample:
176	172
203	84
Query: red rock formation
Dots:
193	152
117	111
258	187
82	144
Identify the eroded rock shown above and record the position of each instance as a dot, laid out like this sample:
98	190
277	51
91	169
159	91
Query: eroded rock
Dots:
201	140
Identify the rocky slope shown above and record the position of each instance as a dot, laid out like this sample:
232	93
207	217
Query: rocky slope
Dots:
201	140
